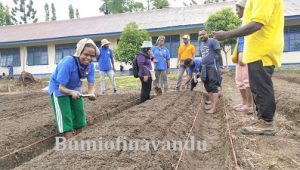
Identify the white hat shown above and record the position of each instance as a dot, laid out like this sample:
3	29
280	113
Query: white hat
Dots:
147	44
241	3
104	42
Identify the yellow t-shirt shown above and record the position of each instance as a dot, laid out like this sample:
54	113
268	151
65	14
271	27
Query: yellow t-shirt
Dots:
267	43
186	51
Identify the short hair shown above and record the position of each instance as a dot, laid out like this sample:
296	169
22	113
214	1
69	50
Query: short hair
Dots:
203	29
159	38
188	61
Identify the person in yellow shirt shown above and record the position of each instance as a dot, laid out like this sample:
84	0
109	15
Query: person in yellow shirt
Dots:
185	51
263	28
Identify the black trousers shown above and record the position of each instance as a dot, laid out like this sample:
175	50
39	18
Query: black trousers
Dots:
262	89
146	89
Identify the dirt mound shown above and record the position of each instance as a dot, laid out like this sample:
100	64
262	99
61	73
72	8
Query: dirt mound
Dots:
26	78
28	118
268	152
165	118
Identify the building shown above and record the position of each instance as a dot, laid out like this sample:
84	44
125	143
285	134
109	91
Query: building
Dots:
38	47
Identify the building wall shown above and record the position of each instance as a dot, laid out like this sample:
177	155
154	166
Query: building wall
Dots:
288	57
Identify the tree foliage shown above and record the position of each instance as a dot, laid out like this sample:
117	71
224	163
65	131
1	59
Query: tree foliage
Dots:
120	6
160	4
130	42
53	11
77	13
23	12
225	20
47	13
71	12
5	17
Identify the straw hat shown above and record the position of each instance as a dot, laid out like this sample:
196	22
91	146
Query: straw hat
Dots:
104	42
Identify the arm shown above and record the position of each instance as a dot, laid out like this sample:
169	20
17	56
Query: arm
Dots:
113	63
188	80
245	30
220	59
65	90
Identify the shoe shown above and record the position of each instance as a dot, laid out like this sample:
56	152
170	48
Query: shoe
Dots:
207	102
211	111
158	91
259	127
207	106
115	90
244	109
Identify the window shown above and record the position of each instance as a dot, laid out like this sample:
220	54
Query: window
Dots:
195	42
172	43
64	50
292	38
37	55
154	40
10	56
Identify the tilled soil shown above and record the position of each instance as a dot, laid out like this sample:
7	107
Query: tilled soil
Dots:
165	118
281	151
27	118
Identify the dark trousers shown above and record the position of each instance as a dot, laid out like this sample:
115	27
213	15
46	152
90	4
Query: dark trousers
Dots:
261	85
146	89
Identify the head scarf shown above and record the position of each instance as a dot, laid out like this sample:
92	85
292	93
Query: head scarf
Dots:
80	46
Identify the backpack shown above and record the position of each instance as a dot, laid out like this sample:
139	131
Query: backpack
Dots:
135	67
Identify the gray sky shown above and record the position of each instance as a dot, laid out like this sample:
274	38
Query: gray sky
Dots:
87	8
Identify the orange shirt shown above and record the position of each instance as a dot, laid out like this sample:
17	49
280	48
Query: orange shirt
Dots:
186	51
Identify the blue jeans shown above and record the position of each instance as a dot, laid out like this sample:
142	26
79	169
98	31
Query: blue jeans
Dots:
110	74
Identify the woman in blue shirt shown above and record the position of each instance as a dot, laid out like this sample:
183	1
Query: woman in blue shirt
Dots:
162	64
65	87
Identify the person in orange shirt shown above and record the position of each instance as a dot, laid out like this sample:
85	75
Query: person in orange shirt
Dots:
185	51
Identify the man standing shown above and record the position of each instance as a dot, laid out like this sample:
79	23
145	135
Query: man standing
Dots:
162	64
263	28
106	65
186	50
10	72
212	68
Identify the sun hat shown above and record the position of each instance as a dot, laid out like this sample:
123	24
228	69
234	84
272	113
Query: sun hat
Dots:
147	44
104	42
241	3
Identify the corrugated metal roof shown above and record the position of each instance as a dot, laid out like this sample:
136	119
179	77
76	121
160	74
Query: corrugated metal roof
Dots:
156	20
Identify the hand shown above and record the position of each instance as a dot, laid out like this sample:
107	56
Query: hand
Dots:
75	94
240	61
220	35
221	70
92	97
168	71
178	65
146	79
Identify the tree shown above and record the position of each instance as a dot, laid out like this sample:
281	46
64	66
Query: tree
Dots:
130	42
23	12
77	13
160	4
53	11
47	15
120	6
71	11
5	17
225	20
